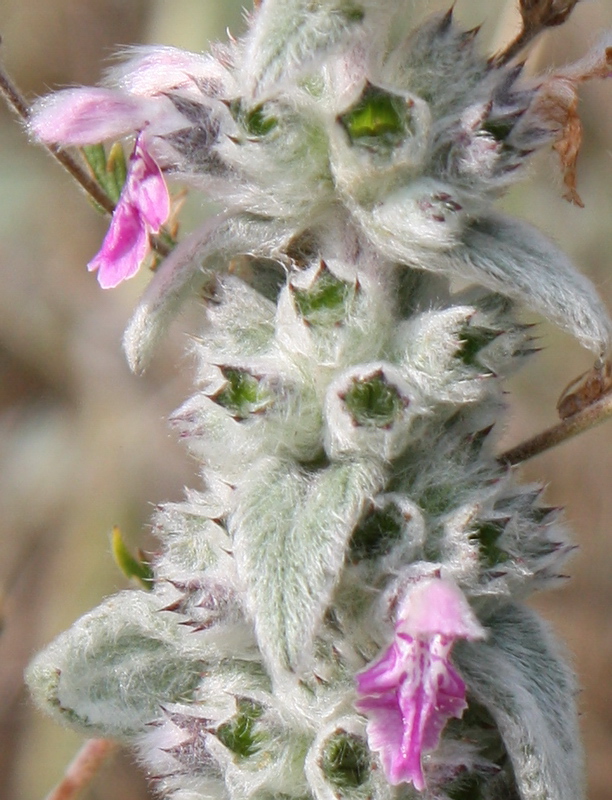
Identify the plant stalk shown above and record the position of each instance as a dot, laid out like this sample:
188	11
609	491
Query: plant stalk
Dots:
82	769
583	420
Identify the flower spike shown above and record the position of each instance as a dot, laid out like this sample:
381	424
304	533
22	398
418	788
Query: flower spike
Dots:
348	402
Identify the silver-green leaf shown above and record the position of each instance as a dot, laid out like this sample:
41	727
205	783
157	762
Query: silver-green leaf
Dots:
110	672
290	531
520	677
291	35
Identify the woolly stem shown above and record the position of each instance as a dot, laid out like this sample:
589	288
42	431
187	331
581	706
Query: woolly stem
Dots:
83	768
582	421
16	100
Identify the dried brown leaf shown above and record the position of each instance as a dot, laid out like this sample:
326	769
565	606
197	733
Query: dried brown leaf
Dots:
585	390
536	16
556	106
539	14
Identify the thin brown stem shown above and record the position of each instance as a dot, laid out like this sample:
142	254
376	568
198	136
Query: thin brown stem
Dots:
582	421
16	100
160	247
537	16
92	188
82	769
21	107
13	96
516	45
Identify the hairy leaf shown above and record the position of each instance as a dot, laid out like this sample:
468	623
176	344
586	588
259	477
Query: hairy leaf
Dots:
291	530
291	35
511	257
181	277
518	676
514	259
109	673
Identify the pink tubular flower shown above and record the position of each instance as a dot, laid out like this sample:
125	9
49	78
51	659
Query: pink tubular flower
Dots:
91	115
142	209
412	690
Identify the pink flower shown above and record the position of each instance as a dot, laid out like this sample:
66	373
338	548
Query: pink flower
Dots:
142	209
412	690
91	115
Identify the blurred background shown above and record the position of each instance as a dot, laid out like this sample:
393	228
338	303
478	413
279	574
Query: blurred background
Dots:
83	443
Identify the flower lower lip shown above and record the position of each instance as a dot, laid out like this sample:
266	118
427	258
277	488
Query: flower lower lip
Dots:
413	689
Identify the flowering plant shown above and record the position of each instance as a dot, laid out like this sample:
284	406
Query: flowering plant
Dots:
338	612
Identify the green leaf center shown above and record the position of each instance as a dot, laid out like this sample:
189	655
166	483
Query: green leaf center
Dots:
345	761
378	117
239	734
374	402
243	395
327	301
376	534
